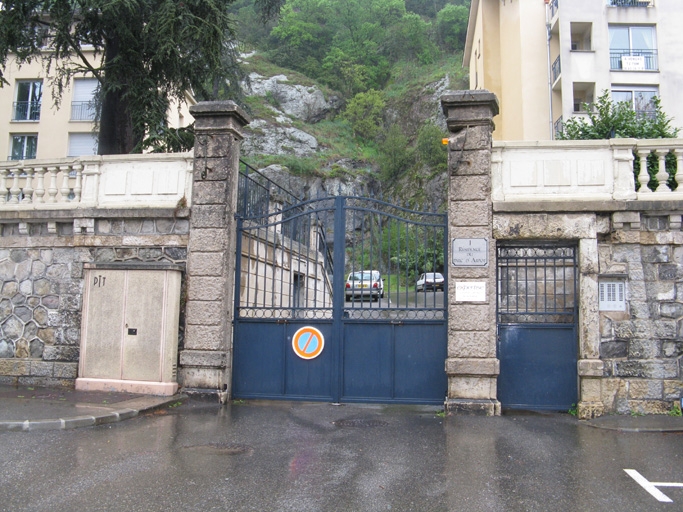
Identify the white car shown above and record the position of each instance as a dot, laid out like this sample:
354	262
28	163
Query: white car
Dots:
430	281
364	283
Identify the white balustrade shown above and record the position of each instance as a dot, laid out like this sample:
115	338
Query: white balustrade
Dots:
600	170
125	181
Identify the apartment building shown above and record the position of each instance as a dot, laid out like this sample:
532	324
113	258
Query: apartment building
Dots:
545	59
32	126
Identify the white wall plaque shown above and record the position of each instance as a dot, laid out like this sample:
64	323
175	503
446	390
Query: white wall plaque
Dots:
470	252
470	291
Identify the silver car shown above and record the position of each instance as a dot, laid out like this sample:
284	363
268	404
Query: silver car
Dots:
430	281
364	283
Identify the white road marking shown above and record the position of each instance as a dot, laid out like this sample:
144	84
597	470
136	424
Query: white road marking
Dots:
651	487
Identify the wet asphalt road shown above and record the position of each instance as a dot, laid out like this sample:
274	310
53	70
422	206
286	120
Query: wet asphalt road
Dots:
310	457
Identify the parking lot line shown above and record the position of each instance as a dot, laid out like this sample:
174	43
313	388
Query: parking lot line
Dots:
651	487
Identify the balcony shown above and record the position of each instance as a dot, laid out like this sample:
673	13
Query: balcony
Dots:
631	3
634	60
557	69
26	111
83	111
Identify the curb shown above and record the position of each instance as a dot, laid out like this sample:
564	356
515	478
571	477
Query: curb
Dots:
622	426
124	410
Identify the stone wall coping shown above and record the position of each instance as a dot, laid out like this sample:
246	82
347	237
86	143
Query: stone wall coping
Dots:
586	205
93	213
133	265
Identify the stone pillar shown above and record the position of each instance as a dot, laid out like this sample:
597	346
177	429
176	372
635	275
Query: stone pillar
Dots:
472	366
205	361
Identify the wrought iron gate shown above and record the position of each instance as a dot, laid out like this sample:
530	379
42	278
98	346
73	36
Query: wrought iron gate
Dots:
537	326
326	306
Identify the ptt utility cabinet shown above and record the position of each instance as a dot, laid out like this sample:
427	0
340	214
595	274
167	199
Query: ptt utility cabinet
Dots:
129	331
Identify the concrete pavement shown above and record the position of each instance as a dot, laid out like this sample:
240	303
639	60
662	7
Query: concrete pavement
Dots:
32	408
28	408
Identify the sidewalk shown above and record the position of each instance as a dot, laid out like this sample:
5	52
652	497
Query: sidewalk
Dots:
28	408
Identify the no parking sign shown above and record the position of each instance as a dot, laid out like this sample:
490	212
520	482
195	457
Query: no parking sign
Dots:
308	342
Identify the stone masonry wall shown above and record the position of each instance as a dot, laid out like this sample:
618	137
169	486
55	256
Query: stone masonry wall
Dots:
642	347
41	275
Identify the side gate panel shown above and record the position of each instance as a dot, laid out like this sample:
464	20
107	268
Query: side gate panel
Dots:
258	359
394	362
265	365
367	362
309	378
537	366
420	360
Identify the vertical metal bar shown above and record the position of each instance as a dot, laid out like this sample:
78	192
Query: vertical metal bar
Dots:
238	270
338	298
446	266
387	232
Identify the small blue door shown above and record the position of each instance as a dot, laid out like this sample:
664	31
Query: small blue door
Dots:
537	328
537	366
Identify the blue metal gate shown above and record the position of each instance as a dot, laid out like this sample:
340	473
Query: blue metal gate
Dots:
348	267
537	326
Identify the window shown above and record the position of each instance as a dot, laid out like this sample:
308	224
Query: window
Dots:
584	93
612	295
633	48
639	97
83	103
82	144
24	147
27	101
581	36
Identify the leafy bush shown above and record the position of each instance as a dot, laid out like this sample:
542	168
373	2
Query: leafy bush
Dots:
607	120
364	112
395	154
430	150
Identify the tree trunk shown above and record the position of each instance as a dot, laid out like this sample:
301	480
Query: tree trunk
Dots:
116	135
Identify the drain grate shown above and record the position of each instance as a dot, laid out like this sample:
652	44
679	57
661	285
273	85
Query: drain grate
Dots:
221	448
360	423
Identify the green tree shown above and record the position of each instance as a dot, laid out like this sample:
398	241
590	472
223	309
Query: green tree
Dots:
451	26
148	52
364	112
409	39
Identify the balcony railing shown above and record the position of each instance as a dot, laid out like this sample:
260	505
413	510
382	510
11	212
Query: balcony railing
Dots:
634	60
83	110
26	111
554	6
557	69
630	3
558	127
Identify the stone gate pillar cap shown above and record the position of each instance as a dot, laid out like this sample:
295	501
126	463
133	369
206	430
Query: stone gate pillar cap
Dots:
220	109
479	97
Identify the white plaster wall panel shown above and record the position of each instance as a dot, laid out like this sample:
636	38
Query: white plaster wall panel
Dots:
141	182
556	173
590	173
521	174
114	182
